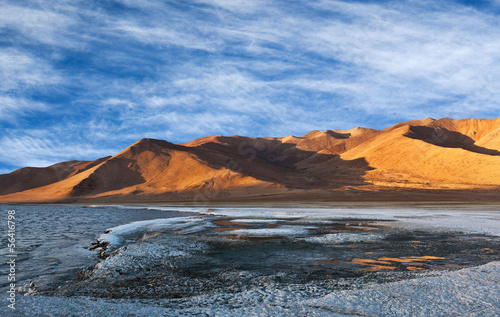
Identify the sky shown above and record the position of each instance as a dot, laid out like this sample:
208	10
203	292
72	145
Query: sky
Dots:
81	80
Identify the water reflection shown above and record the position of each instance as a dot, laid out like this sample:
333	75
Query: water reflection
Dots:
410	263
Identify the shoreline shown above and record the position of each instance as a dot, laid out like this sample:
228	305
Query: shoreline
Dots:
266	204
292	197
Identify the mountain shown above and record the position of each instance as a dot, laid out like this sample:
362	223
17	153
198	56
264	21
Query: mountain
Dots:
33	177
427	159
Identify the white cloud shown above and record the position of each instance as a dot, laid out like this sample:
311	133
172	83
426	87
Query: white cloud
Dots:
239	6
40	152
20	70
118	102
203	123
185	100
163	35
39	22
408	44
10	107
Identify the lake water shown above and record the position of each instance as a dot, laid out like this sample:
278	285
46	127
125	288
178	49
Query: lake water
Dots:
183	260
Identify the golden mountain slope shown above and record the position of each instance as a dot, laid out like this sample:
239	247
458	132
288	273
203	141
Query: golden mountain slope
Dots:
32	177
442	153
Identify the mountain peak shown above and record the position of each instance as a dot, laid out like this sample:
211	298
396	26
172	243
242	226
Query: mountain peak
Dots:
150	141
148	144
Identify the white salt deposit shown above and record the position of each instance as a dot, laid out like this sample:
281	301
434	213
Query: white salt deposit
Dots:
115	235
288	231
349	237
467	292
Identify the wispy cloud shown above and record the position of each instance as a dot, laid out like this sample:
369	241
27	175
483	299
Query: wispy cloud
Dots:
163	36
21	70
93	77
239	6
11	108
34	151
39	21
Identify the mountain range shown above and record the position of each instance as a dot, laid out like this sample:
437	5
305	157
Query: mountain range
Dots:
428	159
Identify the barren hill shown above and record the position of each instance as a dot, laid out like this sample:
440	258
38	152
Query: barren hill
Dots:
32	177
421	156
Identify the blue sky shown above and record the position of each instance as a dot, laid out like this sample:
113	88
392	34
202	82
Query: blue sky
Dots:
85	79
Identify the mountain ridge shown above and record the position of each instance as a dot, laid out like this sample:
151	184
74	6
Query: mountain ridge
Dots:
418	155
